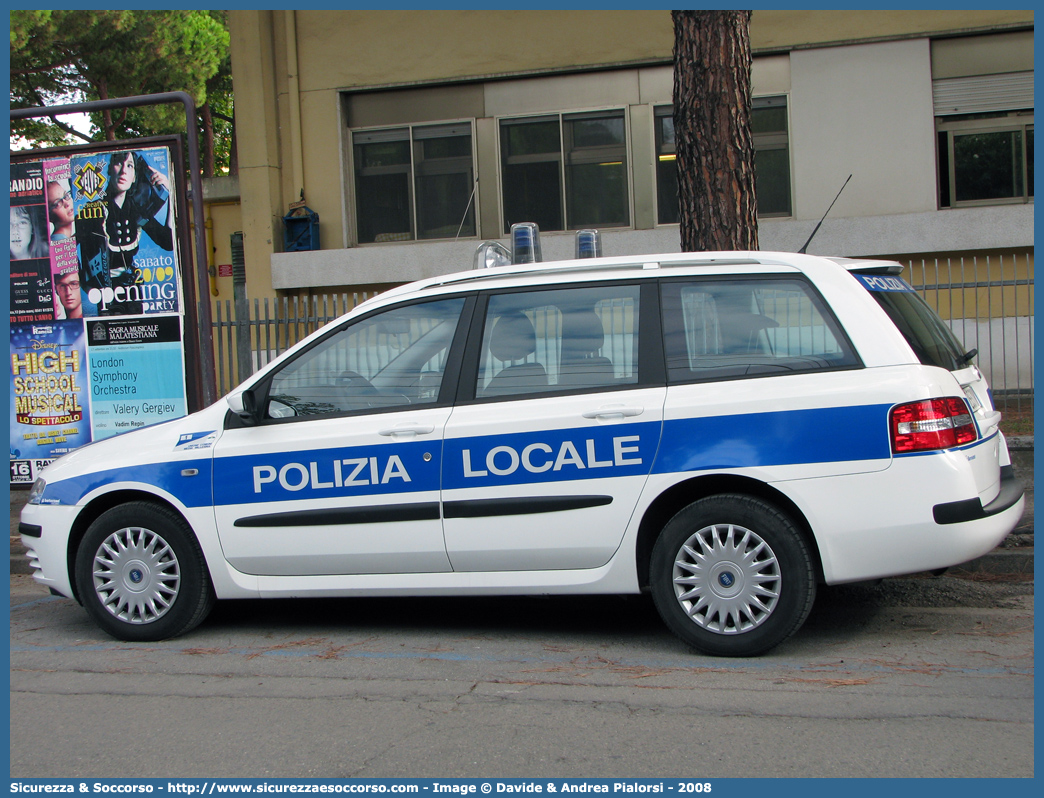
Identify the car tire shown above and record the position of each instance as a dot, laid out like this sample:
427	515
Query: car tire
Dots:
141	575
732	576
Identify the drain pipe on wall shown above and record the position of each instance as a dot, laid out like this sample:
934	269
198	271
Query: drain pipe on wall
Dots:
294	90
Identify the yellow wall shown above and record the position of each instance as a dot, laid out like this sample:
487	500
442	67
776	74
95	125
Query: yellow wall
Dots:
342	50
223	219
967	268
289	114
787	30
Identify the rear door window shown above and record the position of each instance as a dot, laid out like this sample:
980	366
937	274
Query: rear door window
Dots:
576	338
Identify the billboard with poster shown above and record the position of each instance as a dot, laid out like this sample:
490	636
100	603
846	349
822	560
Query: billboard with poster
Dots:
49	394
65	264
136	372
97	302
125	232
30	288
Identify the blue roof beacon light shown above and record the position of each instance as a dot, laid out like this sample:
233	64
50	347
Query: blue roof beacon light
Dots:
525	243
491	254
588	244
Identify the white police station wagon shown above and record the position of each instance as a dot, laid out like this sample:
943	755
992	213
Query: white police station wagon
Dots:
725	430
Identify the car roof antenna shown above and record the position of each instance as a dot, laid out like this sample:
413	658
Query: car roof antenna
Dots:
802	250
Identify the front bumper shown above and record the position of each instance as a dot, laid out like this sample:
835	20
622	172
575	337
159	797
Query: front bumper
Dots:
45	535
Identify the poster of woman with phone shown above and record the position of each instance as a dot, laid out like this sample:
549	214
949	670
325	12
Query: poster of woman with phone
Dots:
125	231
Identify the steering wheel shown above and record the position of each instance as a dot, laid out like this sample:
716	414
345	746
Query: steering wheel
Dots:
354	384
361	393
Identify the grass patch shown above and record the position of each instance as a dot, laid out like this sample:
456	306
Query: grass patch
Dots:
1017	420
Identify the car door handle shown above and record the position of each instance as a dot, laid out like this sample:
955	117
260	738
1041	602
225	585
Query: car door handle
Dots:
614	411
407	429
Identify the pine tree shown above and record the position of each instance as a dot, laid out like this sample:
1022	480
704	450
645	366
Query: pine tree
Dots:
60	57
714	146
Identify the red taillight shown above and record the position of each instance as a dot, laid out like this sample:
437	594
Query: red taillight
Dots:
932	424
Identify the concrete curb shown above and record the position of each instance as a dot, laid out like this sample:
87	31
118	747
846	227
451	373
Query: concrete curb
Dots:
1001	562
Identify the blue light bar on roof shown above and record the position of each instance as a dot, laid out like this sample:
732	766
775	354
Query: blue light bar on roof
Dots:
525	243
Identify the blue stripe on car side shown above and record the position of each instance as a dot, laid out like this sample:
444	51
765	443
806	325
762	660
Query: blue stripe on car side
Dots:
561	455
390	468
788	437
792	437
191	491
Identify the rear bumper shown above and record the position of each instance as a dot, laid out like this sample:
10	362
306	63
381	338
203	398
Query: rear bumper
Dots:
959	512
914	516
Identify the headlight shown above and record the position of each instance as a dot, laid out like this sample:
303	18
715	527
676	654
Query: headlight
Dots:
36	492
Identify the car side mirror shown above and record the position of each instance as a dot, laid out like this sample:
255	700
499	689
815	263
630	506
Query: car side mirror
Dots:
244	405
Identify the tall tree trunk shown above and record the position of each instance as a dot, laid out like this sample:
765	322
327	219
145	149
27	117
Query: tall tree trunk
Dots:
715	150
208	140
233	153
107	124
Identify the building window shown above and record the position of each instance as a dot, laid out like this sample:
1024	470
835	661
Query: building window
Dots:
666	167
768	122
985	158
414	182
565	171
768	125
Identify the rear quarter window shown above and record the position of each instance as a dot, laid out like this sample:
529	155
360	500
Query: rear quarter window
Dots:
717	329
931	340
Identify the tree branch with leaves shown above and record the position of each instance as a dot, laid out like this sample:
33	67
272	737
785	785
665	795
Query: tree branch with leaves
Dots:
70	56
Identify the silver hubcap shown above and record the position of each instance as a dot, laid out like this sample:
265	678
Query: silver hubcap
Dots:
726	578
136	575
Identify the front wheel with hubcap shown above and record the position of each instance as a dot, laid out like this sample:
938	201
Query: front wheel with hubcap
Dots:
732	576
141	575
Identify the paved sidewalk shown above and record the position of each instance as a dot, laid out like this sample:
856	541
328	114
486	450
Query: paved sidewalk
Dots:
1015	556
1013	559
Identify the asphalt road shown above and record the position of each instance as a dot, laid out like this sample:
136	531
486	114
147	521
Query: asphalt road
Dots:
914	677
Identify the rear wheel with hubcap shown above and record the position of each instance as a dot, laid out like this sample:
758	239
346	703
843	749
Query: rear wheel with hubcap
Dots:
141	575
732	576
